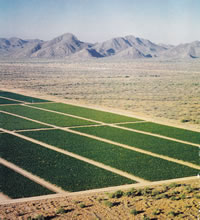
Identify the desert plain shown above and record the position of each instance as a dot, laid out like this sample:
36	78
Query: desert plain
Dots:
156	89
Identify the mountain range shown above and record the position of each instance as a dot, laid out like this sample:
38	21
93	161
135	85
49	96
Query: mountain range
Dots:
69	46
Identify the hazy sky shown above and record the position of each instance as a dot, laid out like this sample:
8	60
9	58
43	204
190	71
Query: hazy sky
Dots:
161	21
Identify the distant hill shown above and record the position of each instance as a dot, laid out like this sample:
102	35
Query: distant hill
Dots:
69	46
188	50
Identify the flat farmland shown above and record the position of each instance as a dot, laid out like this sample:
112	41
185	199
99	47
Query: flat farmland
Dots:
126	160
11	122
147	142
78	148
169	131
44	116
18	186
66	172
89	113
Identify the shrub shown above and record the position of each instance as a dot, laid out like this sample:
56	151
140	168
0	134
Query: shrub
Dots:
117	194
172	213
173	185
60	211
108	204
156	212
134	212
82	205
183	196
39	217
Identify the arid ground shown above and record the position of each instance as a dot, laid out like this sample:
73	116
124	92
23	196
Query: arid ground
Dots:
167	201
168	90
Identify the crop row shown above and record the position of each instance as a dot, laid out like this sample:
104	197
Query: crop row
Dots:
147	142
44	116
133	162
15	185
169	131
64	171
20	97
11	122
93	114
7	101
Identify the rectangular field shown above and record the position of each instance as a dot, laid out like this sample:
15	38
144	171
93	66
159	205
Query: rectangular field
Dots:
44	116
169	131
89	113
20	97
11	122
7	101
16	186
141	165
66	172
150	143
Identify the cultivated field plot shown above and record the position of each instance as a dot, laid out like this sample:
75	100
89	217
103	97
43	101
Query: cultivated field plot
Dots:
17	186
19	97
7	101
77	148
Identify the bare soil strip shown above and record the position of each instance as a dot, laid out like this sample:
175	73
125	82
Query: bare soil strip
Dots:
131	122
31	176
107	189
3	197
110	142
115	125
111	169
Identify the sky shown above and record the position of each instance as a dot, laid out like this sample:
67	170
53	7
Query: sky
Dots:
161	21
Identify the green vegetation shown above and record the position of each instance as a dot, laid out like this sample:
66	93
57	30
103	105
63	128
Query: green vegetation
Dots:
21	97
147	142
44	116
7	101
178	133
82	205
11	122
134	212
17	186
64	171
108	204
117	194
133	162
97	115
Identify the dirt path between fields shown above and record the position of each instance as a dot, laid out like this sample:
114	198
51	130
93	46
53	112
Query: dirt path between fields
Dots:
98	164
110	142
116	126
31	176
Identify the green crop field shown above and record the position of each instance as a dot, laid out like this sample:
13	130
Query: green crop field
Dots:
7	101
21	97
64	171
169	131
93	114
11	122
150	143
138	164
15	185
73	174
44	116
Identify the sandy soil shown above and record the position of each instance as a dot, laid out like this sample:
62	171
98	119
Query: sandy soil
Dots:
171	201
168	90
